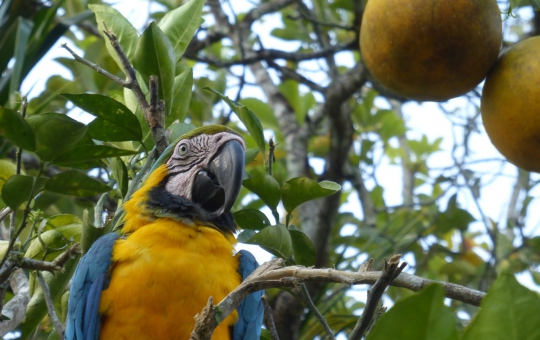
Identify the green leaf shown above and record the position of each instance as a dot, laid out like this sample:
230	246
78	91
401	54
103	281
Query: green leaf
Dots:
16	129
62	220
263	110
179	129
7	169
90	152
183	84
245	235
302	189
265	335
290	34
125	32
252	123
180	25
251	219
4	246
17	190
24	28
303	248
453	218
89	233
509	312
251	154
52	239
422	316
75	183
114	122
389	124
300	104
120	173
275	240
266	187
154	56
55	134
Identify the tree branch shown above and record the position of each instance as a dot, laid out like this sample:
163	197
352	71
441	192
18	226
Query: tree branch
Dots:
58	326
15	309
272	54
391	270
307	298
96	67
269	319
154	114
273	274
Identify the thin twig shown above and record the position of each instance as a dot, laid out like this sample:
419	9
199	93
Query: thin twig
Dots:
287	73
96	67
24	106
315	311
272	54
63	258
50	306
271	158
269	318
155	118
391	270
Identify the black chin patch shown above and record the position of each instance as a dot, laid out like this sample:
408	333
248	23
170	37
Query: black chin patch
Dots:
207	192
162	203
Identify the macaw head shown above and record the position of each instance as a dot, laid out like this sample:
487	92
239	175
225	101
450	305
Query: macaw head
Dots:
197	177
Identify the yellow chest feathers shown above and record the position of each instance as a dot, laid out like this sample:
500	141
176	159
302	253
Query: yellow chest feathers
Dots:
162	275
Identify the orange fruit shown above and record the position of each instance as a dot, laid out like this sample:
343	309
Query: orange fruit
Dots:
511	104
430	49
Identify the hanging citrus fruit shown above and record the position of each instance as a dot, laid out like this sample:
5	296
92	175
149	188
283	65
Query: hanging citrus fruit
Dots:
511	104
430	49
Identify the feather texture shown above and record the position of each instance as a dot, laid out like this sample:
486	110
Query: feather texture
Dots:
251	310
85	292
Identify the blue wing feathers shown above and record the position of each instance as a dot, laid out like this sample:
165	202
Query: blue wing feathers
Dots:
91	313
251	310
83	321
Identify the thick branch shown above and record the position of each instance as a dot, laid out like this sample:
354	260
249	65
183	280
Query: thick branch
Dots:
274	275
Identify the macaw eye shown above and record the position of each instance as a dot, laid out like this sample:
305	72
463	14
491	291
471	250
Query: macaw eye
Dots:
182	149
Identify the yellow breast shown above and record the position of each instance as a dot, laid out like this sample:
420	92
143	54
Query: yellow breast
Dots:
162	275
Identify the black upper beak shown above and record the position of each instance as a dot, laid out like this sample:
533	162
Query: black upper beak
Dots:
217	187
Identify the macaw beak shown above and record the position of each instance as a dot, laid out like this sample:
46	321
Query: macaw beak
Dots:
217	187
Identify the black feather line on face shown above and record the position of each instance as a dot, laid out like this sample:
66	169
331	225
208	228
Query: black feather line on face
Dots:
162	203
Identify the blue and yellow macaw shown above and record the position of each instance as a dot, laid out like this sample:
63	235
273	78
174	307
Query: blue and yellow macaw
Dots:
176	251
